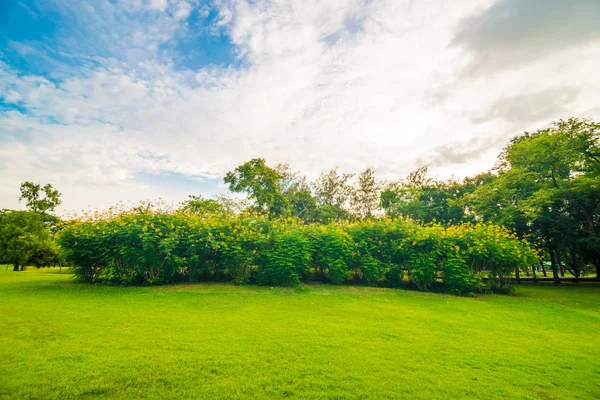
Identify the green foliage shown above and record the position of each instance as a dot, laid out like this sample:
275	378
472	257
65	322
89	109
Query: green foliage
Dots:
424	199
547	189
365	196
332	188
286	261
151	247
262	183
331	252
198	205
23	235
32	194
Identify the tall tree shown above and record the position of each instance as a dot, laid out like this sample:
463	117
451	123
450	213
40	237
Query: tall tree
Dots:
365	194
40	199
332	188
332	191
297	191
548	189
263	185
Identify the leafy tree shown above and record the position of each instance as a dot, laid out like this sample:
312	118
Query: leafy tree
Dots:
422	198
201	206
333	189
47	254
40	199
277	191
22	235
365	194
262	183
295	188
547	189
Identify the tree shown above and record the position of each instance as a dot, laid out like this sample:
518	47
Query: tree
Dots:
199	205
40	199
365	195
332	194
332	188
22	235
422	198
548	189
263	185
295	188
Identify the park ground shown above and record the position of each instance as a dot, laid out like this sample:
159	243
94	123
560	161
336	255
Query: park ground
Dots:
61	339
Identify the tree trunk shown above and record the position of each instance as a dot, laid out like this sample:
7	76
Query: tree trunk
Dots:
560	264
554	267
574	264
517	275
543	268
534	275
597	261
16	268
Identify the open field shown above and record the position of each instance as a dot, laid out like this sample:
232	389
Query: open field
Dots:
60	339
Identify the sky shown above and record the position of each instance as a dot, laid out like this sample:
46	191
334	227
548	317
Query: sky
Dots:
125	100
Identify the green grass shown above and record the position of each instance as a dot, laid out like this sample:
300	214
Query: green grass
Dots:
60	339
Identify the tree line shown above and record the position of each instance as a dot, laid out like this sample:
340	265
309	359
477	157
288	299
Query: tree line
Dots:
545	187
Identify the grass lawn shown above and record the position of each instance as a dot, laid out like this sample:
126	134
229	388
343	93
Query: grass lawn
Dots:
60	339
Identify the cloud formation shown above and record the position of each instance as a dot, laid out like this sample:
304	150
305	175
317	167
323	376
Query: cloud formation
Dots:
139	88
514	32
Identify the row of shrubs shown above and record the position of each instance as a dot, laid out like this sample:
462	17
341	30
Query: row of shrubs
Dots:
139	248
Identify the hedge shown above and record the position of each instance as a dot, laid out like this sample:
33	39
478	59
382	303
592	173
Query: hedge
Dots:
146	248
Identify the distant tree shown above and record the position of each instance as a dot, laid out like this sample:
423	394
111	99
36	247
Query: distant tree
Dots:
263	185
333	189
332	194
233	205
48	254
297	191
22	235
199	205
407	197
422	198
365	194
40	199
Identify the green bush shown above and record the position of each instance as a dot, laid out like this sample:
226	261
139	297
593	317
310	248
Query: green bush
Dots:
286	259
147	247
331	252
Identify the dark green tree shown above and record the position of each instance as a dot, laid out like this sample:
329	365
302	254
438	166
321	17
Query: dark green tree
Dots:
548	189
22	235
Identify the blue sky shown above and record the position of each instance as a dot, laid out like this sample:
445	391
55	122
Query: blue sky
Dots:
115	100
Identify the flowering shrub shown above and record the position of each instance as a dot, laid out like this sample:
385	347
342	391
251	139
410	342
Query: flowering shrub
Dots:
148	246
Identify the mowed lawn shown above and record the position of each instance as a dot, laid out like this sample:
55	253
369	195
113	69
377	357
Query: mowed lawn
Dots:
60	339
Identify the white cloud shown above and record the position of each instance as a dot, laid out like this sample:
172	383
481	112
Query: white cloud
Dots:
160	5
324	83
182	9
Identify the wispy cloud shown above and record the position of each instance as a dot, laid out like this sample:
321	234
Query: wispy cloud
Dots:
187	89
